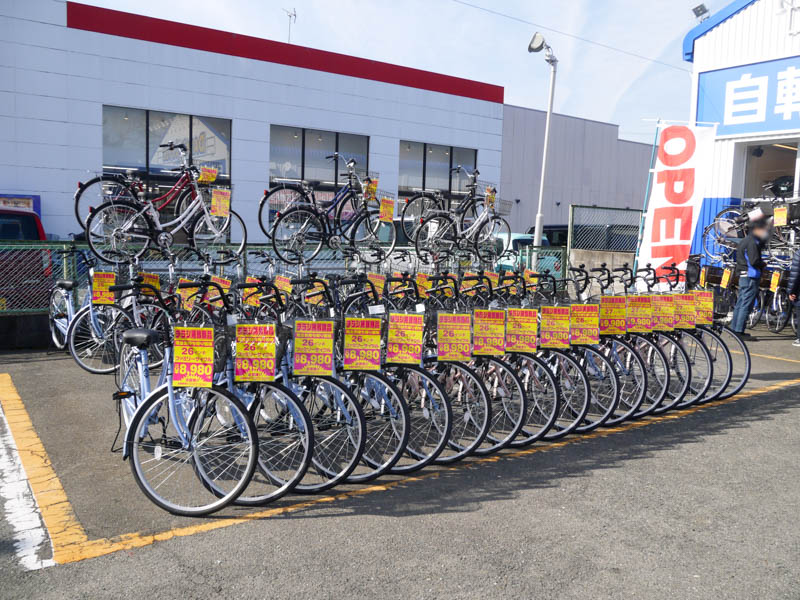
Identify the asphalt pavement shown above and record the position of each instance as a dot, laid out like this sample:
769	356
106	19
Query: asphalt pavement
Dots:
701	504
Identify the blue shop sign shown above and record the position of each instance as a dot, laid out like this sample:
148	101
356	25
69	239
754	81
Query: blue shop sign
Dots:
751	99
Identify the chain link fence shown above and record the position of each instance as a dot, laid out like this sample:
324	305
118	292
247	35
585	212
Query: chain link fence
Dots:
603	229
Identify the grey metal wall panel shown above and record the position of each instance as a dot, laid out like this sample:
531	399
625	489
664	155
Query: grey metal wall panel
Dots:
587	164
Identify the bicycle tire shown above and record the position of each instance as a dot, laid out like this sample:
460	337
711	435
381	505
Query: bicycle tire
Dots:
509	403
232	233
740	357
431	241
86	342
430	416
143	231
285	443
680	376
369	245
657	367
485	239
632	375
84	193
471	409
143	448
414	209
287	249
279	198
573	385
721	361
543	395
702	367
387	420
57	317
327	408
604	386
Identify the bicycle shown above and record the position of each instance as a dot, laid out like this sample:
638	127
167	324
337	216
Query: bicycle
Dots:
120	230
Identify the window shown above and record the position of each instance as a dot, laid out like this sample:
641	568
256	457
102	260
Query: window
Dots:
298	154
770	169
131	139
319	144
427	166
411	166
285	153
124	137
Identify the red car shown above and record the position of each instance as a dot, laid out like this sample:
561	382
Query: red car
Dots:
26	274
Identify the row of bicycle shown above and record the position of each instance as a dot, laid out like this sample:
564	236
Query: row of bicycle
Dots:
243	393
121	222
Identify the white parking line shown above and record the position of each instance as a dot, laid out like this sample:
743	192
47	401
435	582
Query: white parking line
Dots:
31	540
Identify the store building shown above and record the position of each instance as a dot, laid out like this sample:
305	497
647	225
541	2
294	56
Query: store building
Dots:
746	80
85	89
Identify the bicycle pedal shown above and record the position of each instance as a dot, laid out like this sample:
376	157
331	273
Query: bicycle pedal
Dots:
121	395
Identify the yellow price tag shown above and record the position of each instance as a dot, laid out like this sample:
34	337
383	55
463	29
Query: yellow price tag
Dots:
100	284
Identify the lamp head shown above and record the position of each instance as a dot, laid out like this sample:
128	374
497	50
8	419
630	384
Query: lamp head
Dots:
537	43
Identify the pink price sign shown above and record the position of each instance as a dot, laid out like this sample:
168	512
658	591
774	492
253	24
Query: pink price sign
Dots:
663	312
584	324
522	328
313	348
640	314
362	344
704	305
404	345
685	312
255	352
379	281
100	284
555	327
251	295
150	279
220	203
193	365
212	296
612	315
453	334
488	332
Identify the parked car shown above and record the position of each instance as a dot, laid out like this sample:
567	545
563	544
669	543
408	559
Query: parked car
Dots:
517	243
26	274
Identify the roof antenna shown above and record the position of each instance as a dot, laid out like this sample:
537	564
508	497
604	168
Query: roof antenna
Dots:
292	17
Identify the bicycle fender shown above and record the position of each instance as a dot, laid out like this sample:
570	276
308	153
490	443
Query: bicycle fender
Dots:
128	432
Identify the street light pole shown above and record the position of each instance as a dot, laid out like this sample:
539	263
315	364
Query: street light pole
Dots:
537	44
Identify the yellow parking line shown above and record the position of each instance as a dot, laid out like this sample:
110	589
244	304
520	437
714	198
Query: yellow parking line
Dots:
71	544
791	360
57	514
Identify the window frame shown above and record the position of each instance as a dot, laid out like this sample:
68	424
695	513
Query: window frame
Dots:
449	192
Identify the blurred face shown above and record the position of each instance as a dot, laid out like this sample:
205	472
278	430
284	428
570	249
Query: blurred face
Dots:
760	232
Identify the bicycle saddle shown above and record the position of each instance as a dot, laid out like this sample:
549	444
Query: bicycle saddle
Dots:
140	338
67	284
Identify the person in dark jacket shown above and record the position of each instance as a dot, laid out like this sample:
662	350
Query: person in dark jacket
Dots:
793	288
749	265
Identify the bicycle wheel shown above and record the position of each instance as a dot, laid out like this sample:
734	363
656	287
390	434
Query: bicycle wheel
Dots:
757	312
492	239
436	239
543	395
222	239
297	235
469	401
58	317
508	400
413	210
98	191
95	336
575	393
740	361
118	232
632	374
387	420
702	367
657	372
339	432
430	416
603	385
199	461
285	442
371	239
680	373
778	311
720	360
276	201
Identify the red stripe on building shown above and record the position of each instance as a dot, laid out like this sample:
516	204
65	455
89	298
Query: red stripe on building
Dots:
149	29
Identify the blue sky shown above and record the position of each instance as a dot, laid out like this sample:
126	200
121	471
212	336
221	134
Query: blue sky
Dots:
449	37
